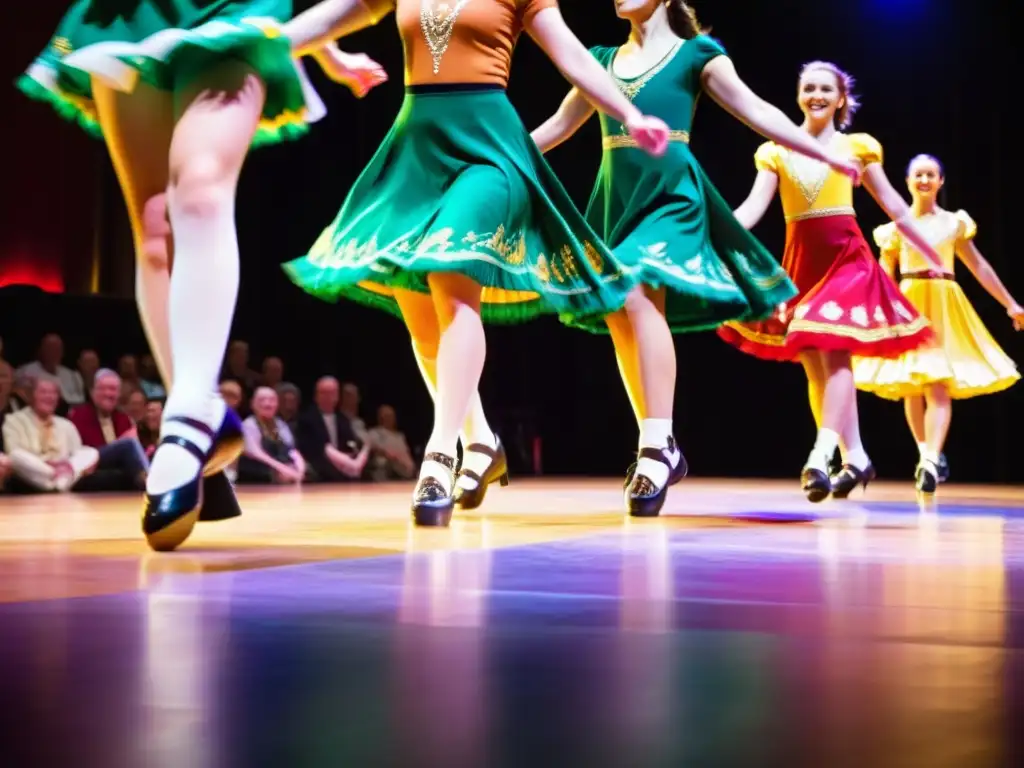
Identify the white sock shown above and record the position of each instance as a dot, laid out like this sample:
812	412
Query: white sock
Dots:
435	469
824	449
856	456
930	456
654	433
922	449
204	289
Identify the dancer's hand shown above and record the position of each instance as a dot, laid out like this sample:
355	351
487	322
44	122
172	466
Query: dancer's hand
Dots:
357	71
650	133
1016	313
848	167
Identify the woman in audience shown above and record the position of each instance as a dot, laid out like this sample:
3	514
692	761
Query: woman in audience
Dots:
392	459
270	455
135	405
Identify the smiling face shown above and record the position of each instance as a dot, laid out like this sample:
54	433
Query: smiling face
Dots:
924	179
819	95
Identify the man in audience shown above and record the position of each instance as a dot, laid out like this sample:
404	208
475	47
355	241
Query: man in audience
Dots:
48	366
236	367
270	455
350	409
289	402
87	365
102	425
326	440
45	450
273	372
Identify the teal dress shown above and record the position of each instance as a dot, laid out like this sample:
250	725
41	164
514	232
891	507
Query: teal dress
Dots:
663	218
166	43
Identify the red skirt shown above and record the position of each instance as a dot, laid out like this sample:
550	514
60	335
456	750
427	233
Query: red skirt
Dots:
845	300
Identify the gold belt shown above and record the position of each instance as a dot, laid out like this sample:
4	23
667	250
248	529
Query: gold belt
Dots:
624	141
842	210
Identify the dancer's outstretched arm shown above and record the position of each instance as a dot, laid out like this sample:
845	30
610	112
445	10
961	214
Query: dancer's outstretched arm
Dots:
724	85
896	208
561	126
328	20
753	209
549	30
983	272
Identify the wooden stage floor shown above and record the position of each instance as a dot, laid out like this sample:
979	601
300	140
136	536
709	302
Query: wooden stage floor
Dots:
744	627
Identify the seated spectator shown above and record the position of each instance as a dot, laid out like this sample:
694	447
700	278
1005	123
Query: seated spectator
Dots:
273	372
232	393
270	455
149	379
289	401
47	365
102	425
21	392
236	367
45	450
349	408
87	365
326	440
149	427
6	389
135	406
392	459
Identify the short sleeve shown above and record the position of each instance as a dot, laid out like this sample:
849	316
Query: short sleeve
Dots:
704	50
603	54
530	8
767	157
887	238
379	8
968	228
866	148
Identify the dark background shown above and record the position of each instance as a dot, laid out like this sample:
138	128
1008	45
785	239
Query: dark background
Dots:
935	76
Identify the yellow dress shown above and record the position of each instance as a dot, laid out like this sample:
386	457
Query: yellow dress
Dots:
964	355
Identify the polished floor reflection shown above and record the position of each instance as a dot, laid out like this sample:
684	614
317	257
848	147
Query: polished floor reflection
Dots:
322	630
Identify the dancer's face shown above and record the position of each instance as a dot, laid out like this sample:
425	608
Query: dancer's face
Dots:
818	95
924	179
636	10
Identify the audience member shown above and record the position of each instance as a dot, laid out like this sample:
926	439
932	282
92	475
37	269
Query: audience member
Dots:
392	459
135	406
273	372
149	427
326	440
45	450
21	392
87	365
270	454
236	367
47	365
149	379
289	402
102	425
231	391
350	409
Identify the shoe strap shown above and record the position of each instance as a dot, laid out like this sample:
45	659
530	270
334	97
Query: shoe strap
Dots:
188	445
655	454
446	461
196	424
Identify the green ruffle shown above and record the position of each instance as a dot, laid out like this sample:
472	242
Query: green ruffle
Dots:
64	105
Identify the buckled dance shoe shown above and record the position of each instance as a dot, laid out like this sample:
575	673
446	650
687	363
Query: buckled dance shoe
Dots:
168	518
432	506
815	484
676	473
643	497
849	478
926	478
496	472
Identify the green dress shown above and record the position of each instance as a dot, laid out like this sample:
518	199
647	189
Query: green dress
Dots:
664	219
166	43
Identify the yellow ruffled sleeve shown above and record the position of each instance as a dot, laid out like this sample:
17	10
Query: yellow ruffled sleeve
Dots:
887	238
767	157
866	148
968	227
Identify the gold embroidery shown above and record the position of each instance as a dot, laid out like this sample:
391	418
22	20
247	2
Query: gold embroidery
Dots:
593	256
619	141
437	24
631	88
542	268
818	213
62	45
808	174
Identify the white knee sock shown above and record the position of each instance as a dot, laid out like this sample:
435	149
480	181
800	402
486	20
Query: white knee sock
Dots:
654	433
922	449
204	289
856	456
824	449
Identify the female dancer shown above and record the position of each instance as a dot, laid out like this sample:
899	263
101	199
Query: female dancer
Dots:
966	361
847	305
458	208
179	90
666	221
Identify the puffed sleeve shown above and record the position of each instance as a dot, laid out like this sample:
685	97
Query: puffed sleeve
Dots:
866	148
530	8
767	157
968	227
887	238
379	8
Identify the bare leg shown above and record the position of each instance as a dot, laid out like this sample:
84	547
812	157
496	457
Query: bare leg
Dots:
815	372
914	408
937	418
839	418
138	128
218	115
460	363
624	343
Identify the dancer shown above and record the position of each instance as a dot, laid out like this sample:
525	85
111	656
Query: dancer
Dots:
668	224
847	305
179	90
965	361
458	217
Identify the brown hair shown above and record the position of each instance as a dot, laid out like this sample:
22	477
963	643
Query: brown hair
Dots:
683	19
846	84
